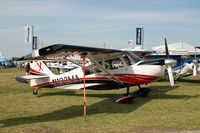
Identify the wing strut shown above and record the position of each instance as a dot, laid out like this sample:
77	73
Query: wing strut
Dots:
102	68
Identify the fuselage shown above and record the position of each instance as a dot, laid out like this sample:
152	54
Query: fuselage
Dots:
129	75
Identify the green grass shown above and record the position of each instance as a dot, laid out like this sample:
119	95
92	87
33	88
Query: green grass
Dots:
62	111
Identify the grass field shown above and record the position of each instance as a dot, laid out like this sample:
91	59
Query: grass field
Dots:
60	111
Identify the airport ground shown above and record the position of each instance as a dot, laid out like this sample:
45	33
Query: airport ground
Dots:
60	111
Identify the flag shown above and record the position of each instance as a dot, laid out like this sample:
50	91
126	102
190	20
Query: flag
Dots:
139	36
129	41
29	34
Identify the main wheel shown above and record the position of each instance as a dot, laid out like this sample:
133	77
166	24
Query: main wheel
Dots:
143	92
35	92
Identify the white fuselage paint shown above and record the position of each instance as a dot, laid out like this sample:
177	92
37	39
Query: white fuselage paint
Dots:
75	76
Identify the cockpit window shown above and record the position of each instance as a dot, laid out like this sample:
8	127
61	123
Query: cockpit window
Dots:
92	69
130	58
113	63
127	60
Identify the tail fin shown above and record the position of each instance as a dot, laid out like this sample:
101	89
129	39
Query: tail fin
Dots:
39	68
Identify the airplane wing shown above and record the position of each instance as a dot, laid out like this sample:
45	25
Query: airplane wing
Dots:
156	56
197	55
74	53
63	52
23	79
142	53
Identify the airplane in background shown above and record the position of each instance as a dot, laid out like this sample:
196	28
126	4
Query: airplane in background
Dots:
5	62
100	69
196	61
61	66
187	64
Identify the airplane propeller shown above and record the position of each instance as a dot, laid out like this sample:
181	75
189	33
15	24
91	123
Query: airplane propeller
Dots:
195	67
169	63
195	61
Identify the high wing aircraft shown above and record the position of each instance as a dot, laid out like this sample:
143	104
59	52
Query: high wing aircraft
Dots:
100	69
187	64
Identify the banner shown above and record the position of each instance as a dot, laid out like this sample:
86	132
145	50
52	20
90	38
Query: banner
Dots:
35	43
29	34
139	36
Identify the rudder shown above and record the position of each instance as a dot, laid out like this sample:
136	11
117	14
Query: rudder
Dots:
39	68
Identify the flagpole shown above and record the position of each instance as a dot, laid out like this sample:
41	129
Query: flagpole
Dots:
84	88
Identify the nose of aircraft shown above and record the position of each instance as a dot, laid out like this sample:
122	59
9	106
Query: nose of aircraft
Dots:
170	62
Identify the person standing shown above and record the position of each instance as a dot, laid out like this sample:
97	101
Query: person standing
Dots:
27	69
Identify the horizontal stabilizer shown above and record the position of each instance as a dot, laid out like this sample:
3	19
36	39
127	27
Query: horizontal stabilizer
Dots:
23	79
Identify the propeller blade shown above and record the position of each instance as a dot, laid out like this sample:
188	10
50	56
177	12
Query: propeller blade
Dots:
194	69
169	63
166	49
171	77
195	64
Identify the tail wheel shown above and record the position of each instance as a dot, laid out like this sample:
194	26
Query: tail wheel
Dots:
35	92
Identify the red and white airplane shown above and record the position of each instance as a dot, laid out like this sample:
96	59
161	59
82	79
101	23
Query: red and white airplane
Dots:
99	69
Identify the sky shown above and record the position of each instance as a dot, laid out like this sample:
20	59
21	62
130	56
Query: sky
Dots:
97	22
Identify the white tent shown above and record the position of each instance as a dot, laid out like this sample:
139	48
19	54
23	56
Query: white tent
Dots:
178	47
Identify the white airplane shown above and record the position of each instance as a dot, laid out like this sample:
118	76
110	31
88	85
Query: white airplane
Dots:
187	64
61	65
3	60
100	69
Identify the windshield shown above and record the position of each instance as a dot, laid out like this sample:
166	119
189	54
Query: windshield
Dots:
132	57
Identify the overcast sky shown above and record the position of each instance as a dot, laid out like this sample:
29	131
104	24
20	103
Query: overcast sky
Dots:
95	22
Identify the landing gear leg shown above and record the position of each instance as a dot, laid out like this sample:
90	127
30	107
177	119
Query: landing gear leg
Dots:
142	92
127	91
35	92
127	98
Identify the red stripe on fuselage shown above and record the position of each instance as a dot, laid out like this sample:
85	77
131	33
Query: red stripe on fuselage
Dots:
42	85
136	78
128	78
137	75
36	72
